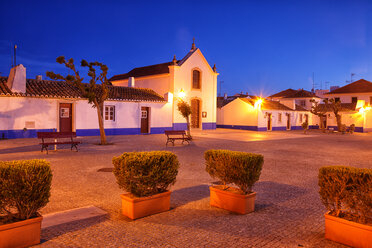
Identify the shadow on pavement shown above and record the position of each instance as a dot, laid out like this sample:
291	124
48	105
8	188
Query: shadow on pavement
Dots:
21	149
55	231
190	194
270	193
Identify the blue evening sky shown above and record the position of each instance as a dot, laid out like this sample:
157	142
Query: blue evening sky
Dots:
257	46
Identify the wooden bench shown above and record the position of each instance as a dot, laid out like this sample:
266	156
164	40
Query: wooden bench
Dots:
173	135
57	138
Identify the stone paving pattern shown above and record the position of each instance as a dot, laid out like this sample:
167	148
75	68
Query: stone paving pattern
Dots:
288	209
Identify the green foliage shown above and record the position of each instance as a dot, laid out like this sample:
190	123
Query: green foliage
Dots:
347	192
94	92
305	125
352	128
146	173
24	188
240	168
184	108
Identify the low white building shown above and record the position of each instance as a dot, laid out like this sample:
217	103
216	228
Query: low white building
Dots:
28	106
143	100
260	115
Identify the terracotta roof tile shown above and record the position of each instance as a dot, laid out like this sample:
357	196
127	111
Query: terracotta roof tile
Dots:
151	69
144	71
359	86
268	104
301	94
284	93
47	88
290	93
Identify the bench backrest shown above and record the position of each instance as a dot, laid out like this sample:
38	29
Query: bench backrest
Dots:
56	135
175	132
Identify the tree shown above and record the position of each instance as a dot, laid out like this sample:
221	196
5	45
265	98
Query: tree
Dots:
336	108
96	94
185	109
317	109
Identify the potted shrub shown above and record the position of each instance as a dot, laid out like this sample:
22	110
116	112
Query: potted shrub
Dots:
24	190
231	167
347	194
146	176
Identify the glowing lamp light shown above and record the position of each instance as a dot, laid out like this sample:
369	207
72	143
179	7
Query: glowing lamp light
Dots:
181	94
364	109
258	103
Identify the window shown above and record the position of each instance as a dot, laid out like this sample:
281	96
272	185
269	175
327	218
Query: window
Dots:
337	99
370	100
109	113
301	118
302	103
65	112
354	99
280	117
196	79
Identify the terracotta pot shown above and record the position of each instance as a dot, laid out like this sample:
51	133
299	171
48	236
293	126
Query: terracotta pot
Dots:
21	234
347	232
139	207
241	204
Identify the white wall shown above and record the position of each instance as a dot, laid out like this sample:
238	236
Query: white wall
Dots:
237	113
161	84
208	92
346	98
16	111
44	112
128	115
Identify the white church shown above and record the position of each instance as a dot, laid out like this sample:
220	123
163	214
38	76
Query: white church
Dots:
142	101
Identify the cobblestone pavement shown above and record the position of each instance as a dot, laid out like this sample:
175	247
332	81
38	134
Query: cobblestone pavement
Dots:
288	209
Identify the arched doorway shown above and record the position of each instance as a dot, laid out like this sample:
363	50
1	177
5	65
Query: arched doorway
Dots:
195	113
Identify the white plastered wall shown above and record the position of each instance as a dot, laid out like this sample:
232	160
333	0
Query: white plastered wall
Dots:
127	115
208	92
16	111
159	83
237	113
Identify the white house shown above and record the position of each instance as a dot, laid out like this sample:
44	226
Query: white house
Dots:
146	105
356	102
253	113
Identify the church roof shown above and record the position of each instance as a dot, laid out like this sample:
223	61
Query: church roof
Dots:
58	89
151	69
359	86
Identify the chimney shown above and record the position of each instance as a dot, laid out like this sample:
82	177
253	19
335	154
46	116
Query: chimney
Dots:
39	78
17	79
225	96
131	82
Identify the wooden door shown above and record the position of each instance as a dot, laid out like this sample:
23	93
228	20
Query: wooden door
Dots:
195	113
288	121
269	124
65	117
145	119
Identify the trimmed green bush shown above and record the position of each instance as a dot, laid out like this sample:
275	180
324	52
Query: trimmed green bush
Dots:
240	168
146	173
24	188
347	192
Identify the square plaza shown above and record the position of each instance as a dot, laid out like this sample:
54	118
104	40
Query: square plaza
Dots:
288	212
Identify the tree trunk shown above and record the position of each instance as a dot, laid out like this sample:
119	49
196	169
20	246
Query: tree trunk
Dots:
321	124
339	124
188	126
100	123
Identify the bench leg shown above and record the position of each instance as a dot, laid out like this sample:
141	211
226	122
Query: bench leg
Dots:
74	145
44	147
